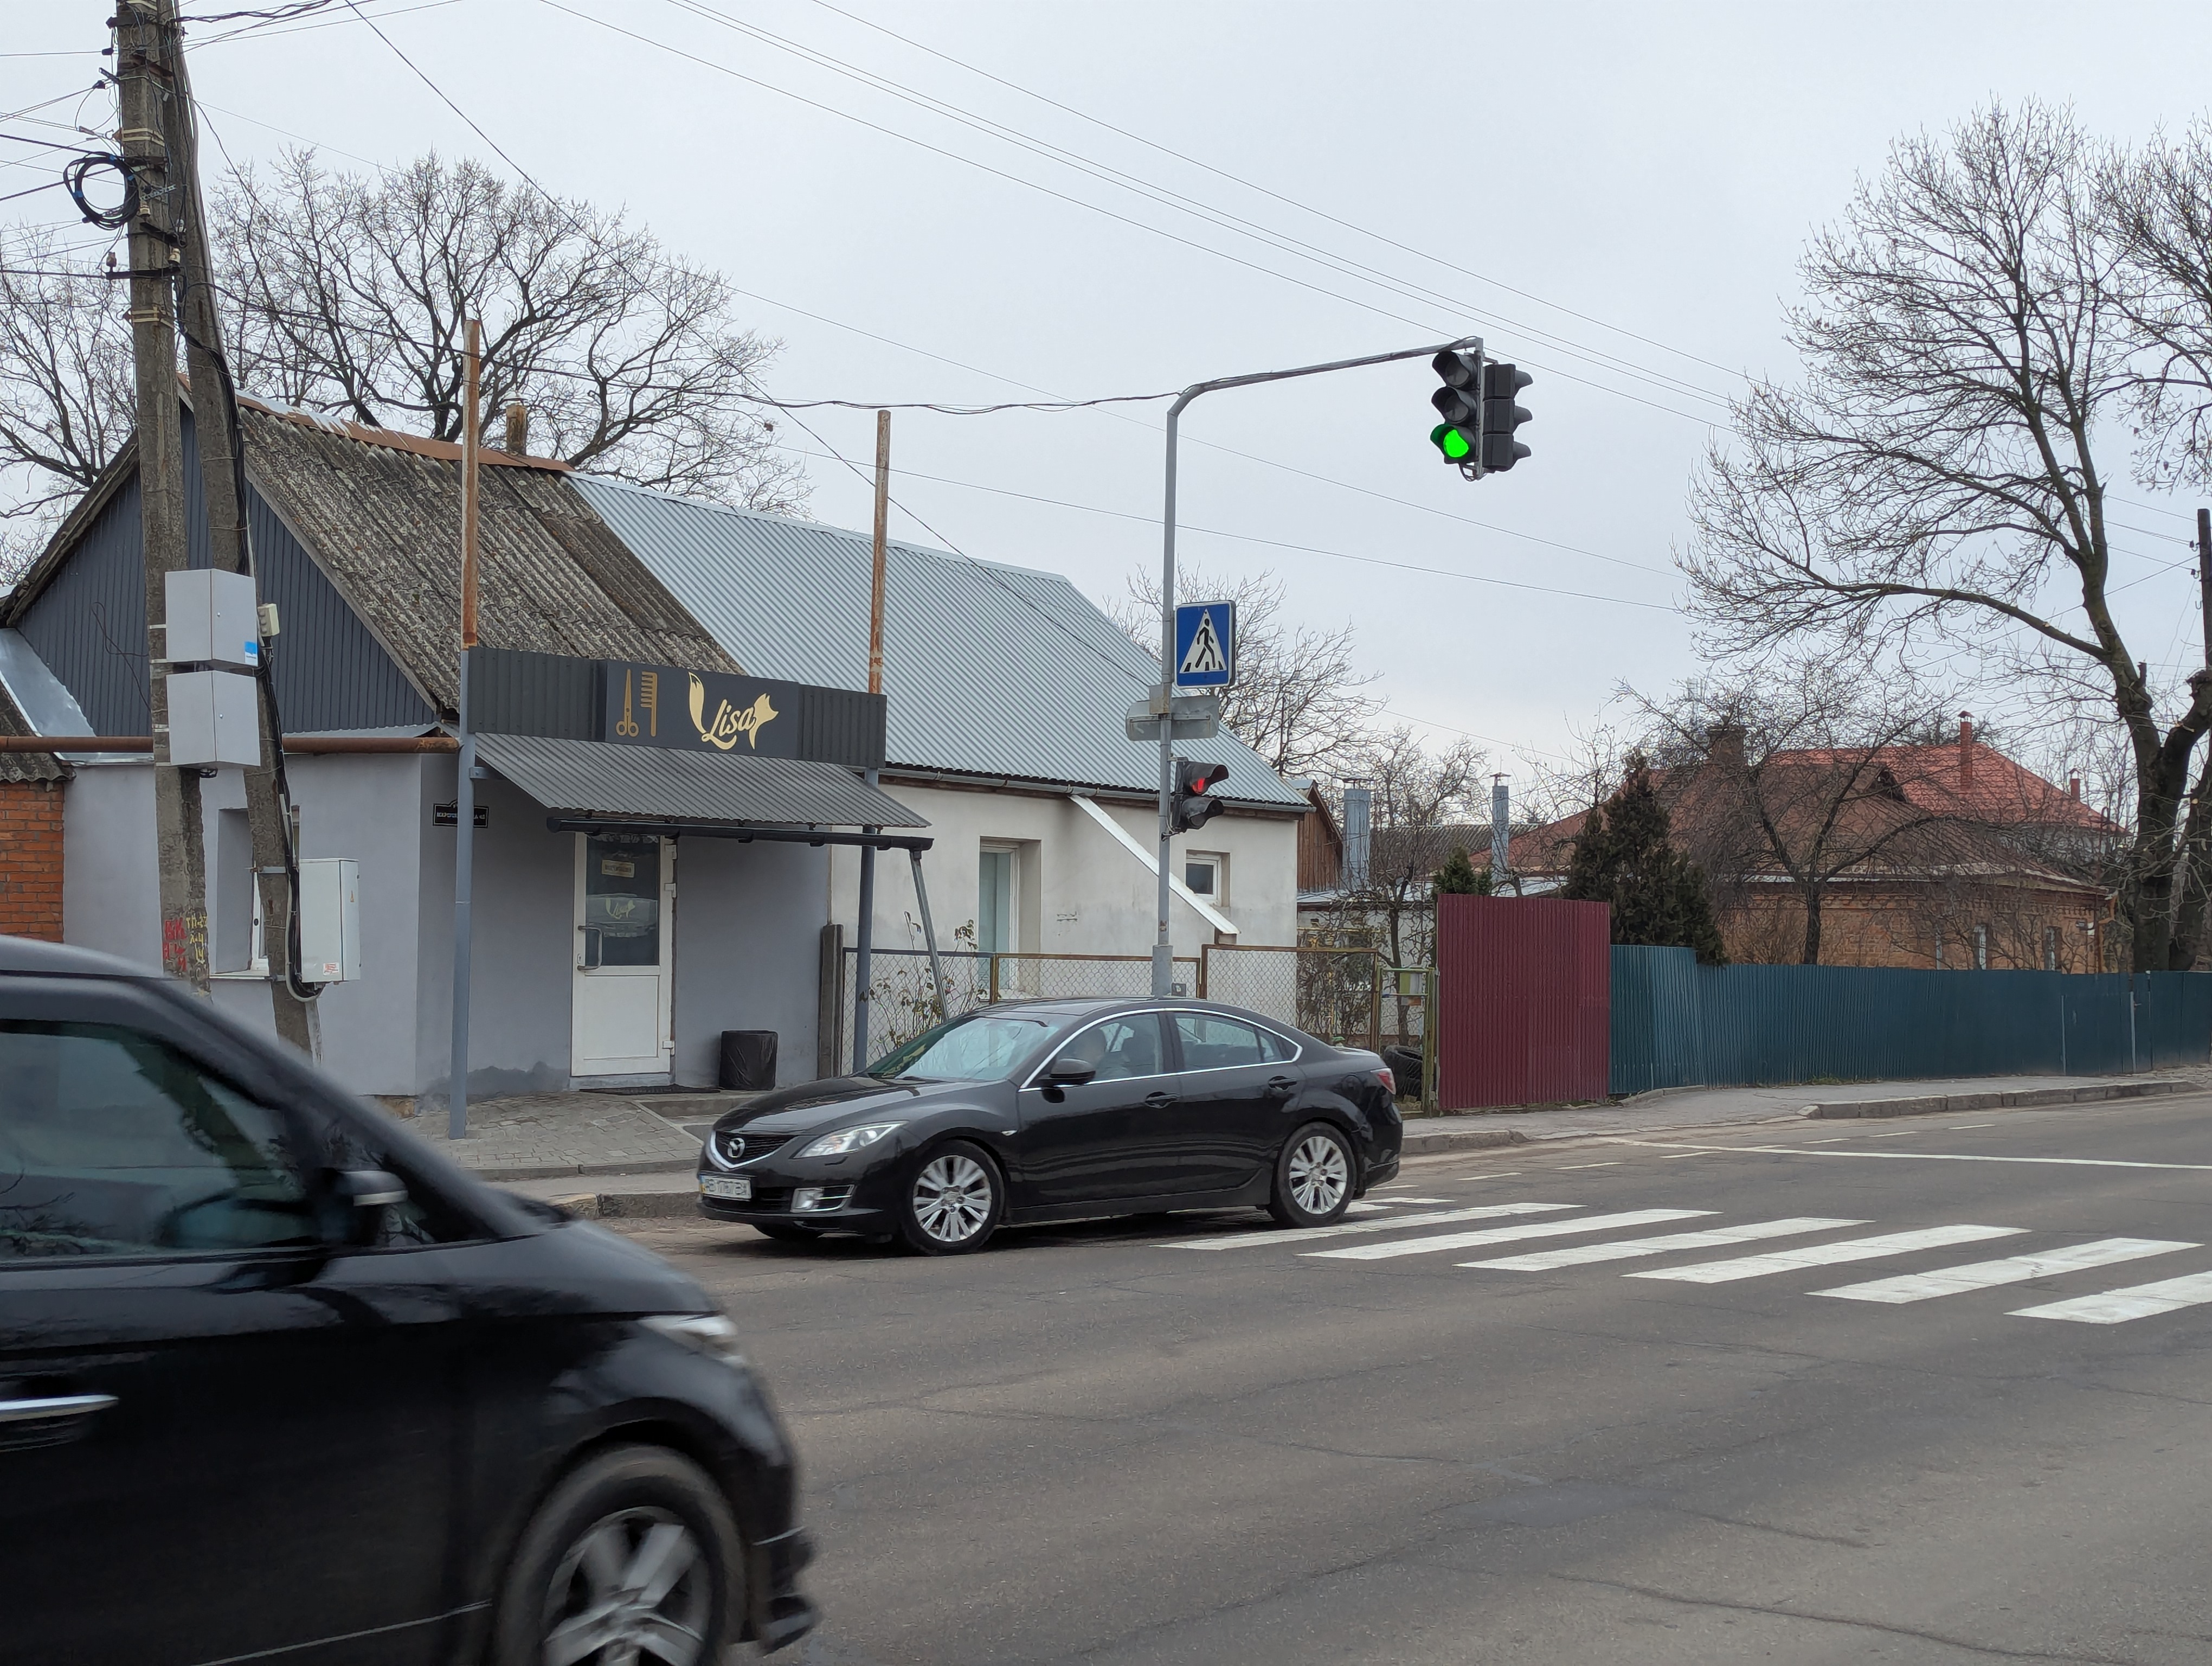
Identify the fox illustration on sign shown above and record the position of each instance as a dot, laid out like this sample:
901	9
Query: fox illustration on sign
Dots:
722	733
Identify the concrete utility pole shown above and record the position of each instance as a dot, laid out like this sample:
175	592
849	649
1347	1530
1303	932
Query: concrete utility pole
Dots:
144	33
863	968
1164	696
222	483
465	783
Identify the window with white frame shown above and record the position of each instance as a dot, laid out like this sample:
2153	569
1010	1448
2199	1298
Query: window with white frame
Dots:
1206	874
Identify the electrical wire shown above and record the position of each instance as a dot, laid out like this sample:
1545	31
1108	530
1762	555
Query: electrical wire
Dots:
955	410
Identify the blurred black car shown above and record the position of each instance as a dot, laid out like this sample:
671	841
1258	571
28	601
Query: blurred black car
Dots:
1056	1110
279	1383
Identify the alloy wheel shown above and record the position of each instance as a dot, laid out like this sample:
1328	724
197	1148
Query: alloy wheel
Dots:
633	1590
1319	1174
952	1198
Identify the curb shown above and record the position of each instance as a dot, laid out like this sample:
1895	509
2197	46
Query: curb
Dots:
1938	1104
1415	1143
563	1170
630	1206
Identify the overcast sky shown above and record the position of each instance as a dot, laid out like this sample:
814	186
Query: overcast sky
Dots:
1631	183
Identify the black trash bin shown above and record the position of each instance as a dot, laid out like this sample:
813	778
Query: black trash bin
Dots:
748	1061
1405	1064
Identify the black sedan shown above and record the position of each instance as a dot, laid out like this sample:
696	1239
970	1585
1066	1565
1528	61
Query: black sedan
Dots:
1059	1110
279	1383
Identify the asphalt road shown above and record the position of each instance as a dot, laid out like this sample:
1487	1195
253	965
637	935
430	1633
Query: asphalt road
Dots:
1201	1440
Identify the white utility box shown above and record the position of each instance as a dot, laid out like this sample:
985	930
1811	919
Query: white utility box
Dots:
330	920
214	618
213	718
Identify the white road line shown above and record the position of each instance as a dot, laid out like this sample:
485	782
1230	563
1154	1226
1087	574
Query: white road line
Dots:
1711	1237
1960	1127
1502	1235
1934	1156
1420	1200
2013	1270
2140	1301
1389	1224
1825	1254
1676	1157
1610	1163
1902	1133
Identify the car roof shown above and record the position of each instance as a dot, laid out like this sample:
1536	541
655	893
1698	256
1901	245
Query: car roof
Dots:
27	956
1089	1008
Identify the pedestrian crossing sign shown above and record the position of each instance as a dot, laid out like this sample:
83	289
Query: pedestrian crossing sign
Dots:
1206	644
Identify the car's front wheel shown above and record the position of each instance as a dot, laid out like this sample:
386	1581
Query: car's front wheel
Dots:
633	1557
953	1201
1313	1177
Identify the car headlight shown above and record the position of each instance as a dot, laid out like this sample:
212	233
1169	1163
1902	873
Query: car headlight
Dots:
709	1333
849	1139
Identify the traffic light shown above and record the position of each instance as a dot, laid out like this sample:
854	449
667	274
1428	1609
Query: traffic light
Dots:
1194	802
1459	402
1500	415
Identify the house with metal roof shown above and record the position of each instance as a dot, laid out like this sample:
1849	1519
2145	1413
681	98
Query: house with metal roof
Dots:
645	881
1006	690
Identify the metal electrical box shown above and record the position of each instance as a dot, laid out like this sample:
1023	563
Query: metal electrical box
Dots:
213	718
214	618
330	920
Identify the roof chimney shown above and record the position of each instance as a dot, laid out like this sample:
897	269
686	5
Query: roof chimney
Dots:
1724	743
1359	820
1501	828
2074	788
517	429
1965	751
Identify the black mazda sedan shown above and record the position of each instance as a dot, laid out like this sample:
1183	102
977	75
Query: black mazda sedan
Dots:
1057	1111
279	1383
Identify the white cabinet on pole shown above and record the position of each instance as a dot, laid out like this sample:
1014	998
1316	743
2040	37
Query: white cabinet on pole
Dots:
213	619
212	719
330	920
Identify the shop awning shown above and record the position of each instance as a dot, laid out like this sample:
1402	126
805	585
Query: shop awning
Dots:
619	785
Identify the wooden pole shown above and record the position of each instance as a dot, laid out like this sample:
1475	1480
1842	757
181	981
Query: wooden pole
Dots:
865	936
216	422
143	30
464	784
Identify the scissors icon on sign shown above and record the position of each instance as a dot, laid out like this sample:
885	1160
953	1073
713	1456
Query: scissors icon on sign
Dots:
628	724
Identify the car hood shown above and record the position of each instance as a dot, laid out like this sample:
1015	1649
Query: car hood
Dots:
838	1099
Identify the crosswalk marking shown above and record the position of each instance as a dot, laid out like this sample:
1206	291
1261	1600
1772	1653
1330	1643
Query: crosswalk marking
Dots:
1710	1237
2141	1301
1501	1234
1824	1254
2013	1270
1389	1224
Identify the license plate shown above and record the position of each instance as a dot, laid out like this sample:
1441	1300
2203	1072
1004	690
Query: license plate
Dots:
736	1186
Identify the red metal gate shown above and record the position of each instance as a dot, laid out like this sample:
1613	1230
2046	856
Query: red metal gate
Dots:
1525	1004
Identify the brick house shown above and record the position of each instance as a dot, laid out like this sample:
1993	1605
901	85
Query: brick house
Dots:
1950	855
32	785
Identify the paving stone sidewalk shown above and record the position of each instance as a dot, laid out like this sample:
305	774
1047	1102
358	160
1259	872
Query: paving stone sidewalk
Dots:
552	1136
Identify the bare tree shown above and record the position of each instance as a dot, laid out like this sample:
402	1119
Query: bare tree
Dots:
1423	804
65	388
347	294
1936	472
1297	700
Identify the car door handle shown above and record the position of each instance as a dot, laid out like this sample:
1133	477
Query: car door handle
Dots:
1159	1101
53	1406
1281	1085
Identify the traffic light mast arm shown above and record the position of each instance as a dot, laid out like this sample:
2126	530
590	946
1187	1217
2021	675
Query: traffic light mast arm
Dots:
1162	949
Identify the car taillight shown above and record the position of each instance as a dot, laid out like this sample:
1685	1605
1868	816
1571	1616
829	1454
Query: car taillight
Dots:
1389	1082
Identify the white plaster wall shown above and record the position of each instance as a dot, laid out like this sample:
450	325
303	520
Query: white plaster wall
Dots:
748	922
111	892
1081	893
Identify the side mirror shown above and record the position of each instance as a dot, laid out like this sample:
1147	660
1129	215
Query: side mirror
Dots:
352	1199
1067	1072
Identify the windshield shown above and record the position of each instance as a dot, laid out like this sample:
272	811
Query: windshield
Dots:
979	1048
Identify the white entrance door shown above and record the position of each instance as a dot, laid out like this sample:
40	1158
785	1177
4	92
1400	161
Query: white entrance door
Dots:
622	1005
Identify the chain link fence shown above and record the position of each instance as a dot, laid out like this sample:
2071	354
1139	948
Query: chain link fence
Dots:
1334	993
903	1003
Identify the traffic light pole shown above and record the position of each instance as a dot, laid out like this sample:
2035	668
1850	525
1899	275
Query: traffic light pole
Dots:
1163	699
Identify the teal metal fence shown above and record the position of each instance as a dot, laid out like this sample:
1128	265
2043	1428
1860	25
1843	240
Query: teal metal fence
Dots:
1676	1024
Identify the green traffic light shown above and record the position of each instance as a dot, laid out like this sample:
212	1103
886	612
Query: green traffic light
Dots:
1452	441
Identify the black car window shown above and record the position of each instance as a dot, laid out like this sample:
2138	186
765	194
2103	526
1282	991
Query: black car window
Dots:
1120	1047
114	1144
1278	1049
1210	1042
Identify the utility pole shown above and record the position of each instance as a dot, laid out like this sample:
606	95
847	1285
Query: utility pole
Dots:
1164	696
144	31
2204	575
222	483
464	788
865	938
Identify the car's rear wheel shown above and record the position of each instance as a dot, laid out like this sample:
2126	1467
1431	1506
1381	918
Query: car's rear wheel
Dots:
634	1557
784	1232
954	1200
1313	1177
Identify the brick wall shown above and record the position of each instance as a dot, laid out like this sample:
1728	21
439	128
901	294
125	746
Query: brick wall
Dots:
31	860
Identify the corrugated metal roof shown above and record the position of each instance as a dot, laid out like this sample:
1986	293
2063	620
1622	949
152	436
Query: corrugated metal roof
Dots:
990	670
595	777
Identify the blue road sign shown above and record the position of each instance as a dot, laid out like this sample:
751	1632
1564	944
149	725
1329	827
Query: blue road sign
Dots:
1206	644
